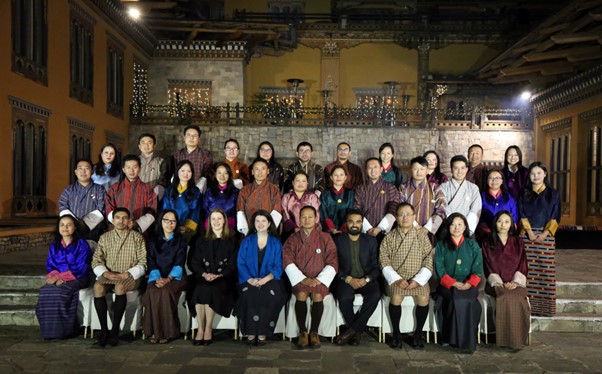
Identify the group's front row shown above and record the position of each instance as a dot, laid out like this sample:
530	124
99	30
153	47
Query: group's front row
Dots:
248	280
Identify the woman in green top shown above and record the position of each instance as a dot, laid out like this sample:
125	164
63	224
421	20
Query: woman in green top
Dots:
459	264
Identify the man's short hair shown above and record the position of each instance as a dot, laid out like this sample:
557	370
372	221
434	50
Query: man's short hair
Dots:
305	144
193	127
122	209
87	160
405	203
353	212
475	145
259	160
343	143
231	140
147	135
309	207
131	157
373	159
419	160
457	158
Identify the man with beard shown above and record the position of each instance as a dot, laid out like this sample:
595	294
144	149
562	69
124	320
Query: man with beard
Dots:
358	273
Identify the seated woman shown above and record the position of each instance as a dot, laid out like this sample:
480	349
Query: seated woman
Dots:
221	194
166	257
261	289
506	271
213	263
293	201
495	199
68	267
335	202
458	263
185	198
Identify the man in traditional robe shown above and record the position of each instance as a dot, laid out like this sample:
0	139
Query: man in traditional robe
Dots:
407	265
153	169
138	197
85	200
202	160
315	173
355	176
259	194
477	171
310	262
461	195
358	274
119	263
377	200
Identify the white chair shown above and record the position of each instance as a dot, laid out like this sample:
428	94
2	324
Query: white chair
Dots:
84	308
328	324
184	315
219	323
375	320
408	318
132	317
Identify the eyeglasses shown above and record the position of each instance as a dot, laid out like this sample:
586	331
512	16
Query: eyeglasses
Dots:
494	178
191	135
170	221
265	150
343	150
231	149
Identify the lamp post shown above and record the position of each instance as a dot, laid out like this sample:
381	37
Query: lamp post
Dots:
390	113
295	82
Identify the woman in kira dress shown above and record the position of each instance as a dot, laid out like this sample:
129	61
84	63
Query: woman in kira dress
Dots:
107	171
213	263
505	266
435	176
391	173
293	201
335	202
458	263
515	174
166	258
184	197
221	194
68	267
494	200
262	293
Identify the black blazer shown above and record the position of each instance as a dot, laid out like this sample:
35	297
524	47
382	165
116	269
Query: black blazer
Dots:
368	255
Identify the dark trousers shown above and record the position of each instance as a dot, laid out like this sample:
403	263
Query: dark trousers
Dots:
345	294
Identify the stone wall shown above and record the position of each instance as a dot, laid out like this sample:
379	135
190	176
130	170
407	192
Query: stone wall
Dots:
22	242
408	142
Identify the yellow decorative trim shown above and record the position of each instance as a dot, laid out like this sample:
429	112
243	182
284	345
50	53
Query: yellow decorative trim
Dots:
551	226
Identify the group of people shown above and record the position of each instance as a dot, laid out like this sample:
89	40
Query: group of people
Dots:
240	239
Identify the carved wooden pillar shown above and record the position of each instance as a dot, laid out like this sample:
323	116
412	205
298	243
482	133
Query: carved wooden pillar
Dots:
423	73
330	59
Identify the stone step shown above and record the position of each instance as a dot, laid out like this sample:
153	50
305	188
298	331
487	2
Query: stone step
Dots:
18	297
577	306
18	316
568	323
579	290
21	282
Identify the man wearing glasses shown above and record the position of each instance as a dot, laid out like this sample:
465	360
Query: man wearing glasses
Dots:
355	176
315	173
202	160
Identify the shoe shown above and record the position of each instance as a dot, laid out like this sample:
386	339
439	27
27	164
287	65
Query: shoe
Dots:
197	342
417	341
250	342
344	338
355	339
261	342
101	340
163	341
314	340
208	342
153	340
303	341
395	342
114	339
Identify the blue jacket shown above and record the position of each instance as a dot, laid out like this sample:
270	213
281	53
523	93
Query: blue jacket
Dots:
492	205
248	261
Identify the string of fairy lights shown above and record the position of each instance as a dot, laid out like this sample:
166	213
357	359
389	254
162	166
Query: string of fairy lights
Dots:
139	103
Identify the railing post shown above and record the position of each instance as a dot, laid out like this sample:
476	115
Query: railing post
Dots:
237	110
228	113
335	113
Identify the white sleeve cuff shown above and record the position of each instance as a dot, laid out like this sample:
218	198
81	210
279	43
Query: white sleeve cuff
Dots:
137	271
366	226
159	191
110	217
92	219
145	221
241	223
390	275
386	223
473	221
429	225
100	270
202	184
326	275
318	193
295	275
237	183
493	279
520	279
64	212
277	217
423	276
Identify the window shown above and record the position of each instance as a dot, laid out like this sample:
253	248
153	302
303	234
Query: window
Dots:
82	64
30	40
80	145
560	167
114	77
139	103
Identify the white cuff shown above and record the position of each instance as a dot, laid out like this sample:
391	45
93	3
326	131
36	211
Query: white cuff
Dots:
520	279
429	225
366	226
145	221
386	223
277	217
64	212
295	276
137	271
237	183
110	217
202	184
415	223
318	193
92	219
390	275
494	278
100	270
326	275
159	191
423	276
473	221
241	223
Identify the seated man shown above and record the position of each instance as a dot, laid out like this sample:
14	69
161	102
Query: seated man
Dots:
315	173
310	262
85	200
407	265
138	197
358	274
119	263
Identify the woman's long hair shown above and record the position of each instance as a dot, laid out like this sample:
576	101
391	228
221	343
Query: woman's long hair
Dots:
512	232
446	233
387	145
76	234
437	171
529	193
213	184
176	182
518	152
158	228
262	213
210	234
99	168
273	158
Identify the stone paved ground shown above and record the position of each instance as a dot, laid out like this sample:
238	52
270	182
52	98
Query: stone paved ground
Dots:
21	350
